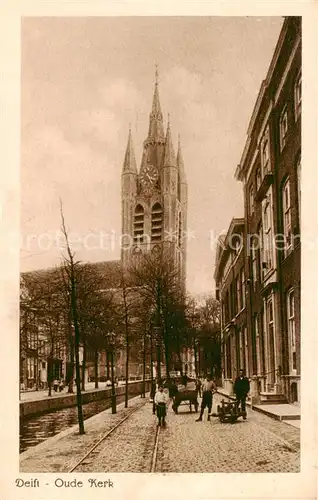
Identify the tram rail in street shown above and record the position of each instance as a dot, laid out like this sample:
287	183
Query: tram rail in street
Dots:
102	439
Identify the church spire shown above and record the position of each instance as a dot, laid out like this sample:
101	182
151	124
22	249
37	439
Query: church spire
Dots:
130	165
180	163
156	130
169	155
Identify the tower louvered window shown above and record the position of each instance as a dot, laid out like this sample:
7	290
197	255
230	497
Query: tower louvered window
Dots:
139	218
179	229
156	222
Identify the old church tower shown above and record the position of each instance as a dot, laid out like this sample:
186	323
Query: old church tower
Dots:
155	197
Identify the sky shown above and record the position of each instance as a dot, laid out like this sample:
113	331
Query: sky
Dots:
85	80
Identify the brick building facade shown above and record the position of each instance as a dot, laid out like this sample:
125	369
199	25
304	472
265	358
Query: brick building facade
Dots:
270	170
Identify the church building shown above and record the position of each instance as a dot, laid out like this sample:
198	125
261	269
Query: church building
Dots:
155	197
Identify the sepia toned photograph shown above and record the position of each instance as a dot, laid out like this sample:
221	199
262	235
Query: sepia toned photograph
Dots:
160	249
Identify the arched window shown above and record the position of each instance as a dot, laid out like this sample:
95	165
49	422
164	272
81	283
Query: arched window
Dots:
139	218
156	222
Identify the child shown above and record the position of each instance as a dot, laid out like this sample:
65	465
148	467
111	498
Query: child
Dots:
161	400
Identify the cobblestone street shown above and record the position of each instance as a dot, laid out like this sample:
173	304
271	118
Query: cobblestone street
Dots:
259	444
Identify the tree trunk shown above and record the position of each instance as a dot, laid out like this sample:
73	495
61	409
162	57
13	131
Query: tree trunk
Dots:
83	365
195	357
71	367
113	396
127	370
96	368
49	375
158	360
144	368
151	360
77	364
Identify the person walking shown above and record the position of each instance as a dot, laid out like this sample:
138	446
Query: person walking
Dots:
161	400
198	386
241	389
208	387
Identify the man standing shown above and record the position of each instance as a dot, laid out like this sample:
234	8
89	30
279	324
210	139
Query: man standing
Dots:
161	400
208	387
241	389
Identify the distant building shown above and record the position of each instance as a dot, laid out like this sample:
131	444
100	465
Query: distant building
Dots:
230	284
154	214
270	171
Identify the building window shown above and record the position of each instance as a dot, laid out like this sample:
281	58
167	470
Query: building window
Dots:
242	287
238	293
267	262
258	344
297	96
270	340
283	128
254	260
251	200
258	179
247	371
156	222
261	253
287	218
299	188
265	156
31	368
139	224
291	328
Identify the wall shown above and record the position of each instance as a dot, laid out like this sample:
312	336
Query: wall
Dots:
29	408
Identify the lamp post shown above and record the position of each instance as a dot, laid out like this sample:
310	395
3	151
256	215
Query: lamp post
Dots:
111	340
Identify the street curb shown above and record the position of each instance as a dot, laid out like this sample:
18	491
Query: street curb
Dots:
281	418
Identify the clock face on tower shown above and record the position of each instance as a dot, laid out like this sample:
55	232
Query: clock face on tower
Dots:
148	178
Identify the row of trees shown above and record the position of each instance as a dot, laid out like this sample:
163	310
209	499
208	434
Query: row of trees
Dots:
146	314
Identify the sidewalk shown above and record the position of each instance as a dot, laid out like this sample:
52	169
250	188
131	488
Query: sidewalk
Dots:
288	413
43	393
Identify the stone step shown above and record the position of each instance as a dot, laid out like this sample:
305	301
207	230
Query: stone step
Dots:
272	398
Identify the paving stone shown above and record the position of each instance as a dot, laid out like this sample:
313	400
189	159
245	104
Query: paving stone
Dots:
258	444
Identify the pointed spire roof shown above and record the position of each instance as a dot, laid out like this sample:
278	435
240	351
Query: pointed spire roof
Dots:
169	155
130	159
180	163
156	130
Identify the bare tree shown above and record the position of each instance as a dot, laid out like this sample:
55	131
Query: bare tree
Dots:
157	280
70	268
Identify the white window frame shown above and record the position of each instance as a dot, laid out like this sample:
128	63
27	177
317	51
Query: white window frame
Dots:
258	344
287	223
267	234
283	128
297	95
238	293
265	153
247	368
251	196
258	178
254	260
299	188
242	276
291	329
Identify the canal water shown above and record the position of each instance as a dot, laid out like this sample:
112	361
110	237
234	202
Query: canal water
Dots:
36	429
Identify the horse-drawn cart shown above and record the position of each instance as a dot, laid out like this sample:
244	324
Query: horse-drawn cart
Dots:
188	398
